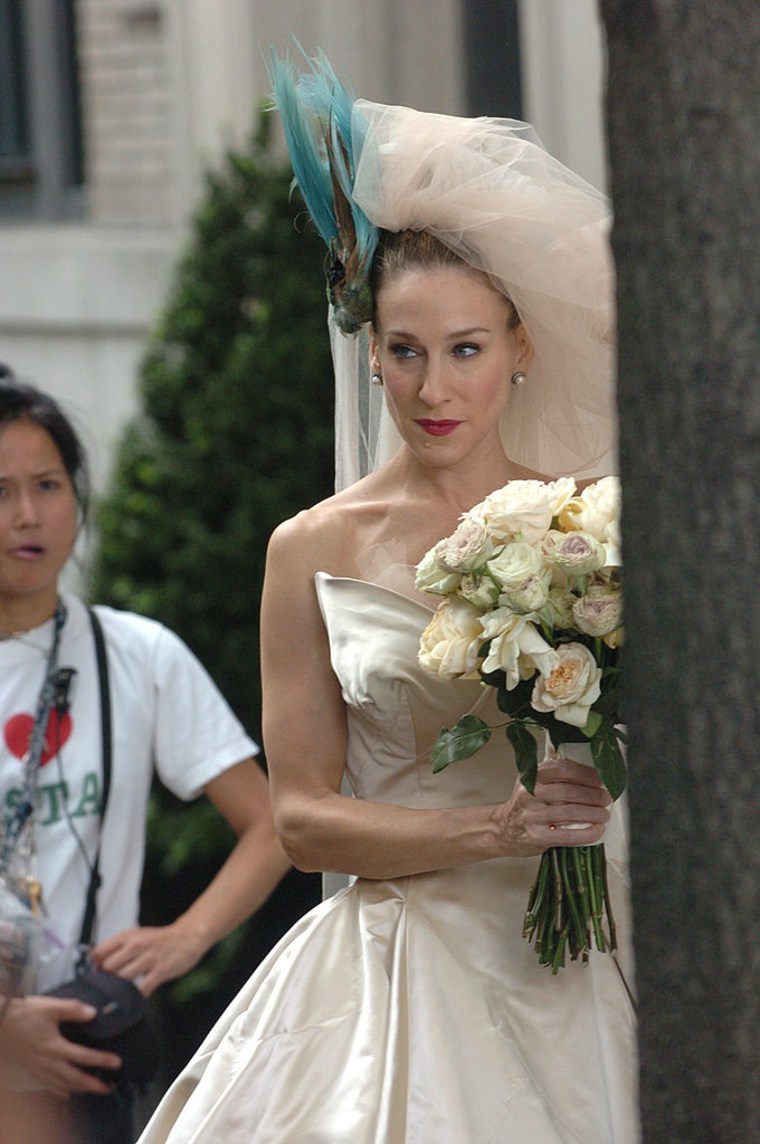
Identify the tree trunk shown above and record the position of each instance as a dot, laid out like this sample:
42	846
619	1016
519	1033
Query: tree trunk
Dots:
683	108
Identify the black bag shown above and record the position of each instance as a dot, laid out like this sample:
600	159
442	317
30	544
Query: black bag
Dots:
120	1025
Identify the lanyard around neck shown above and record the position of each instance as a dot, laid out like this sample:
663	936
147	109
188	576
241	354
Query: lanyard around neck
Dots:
31	761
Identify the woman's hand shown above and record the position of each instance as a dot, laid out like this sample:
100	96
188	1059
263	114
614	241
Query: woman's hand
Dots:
569	807
32	1040
150	955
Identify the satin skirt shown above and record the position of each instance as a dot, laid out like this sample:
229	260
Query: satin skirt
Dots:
414	1012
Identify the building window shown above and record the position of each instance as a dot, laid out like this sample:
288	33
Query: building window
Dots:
41	160
14	130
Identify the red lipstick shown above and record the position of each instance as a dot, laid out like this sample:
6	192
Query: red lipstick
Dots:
437	428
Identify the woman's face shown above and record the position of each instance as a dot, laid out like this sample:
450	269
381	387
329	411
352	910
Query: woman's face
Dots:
446	353
38	516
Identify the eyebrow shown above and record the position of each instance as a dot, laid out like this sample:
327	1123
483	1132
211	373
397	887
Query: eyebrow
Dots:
38	476
453	336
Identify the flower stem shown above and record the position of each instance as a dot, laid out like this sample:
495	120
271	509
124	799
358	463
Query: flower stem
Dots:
591	869
568	905
608	902
571	900
535	901
558	887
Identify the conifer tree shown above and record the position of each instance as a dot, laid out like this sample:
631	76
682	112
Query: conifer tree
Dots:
235	432
234	435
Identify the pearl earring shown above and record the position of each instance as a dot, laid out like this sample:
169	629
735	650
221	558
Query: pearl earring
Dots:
377	379
518	377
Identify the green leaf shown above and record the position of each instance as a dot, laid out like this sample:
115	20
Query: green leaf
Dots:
593	723
516	702
462	741
608	759
526	753
608	702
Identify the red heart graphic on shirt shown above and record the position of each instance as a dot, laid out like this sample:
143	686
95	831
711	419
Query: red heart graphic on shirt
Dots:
18	731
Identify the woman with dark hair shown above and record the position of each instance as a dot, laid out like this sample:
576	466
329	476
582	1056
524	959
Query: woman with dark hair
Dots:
471	273
66	828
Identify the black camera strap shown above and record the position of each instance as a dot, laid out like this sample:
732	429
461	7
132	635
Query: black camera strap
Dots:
88	920
120	1024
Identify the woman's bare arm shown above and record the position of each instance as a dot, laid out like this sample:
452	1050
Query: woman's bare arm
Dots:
305	742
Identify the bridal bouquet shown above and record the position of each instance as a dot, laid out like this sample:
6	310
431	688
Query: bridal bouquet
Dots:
532	606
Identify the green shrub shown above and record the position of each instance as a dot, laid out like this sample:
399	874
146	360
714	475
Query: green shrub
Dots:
234	435
236	429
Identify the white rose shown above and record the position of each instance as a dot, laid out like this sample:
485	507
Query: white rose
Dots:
530	596
576	553
513	638
598	613
478	590
468	547
596	510
558	610
571	687
524	508
449	645
514	564
431	577
613	545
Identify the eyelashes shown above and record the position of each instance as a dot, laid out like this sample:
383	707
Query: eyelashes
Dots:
405	352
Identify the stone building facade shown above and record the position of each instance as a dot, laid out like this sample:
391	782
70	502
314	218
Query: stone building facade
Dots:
111	111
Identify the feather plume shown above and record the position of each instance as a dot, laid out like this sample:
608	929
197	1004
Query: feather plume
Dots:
306	147
319	120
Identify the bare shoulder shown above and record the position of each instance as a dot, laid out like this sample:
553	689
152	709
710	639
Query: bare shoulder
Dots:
324	538
309	539
327	536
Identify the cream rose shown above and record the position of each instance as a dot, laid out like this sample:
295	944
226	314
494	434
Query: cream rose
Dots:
596	510
449	645
478	590
570	688
431	577
576	553
524	509
468	547
613	545
558	610
514	564
514	639
598	613
530	596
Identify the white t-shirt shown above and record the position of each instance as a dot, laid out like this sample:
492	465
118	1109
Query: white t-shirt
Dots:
167	714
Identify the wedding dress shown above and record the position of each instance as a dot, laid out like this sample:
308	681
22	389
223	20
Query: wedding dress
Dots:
412	1011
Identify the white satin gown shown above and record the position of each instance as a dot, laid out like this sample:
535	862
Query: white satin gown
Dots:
412	1011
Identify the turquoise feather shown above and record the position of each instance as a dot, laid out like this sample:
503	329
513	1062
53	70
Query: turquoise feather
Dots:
308	155
319	119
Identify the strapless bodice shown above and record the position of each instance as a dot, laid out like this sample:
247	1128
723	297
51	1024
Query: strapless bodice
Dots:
396	708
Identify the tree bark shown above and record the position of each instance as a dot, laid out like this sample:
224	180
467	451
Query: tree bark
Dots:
683	107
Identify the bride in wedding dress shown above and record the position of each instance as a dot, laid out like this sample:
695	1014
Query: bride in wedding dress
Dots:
409	1008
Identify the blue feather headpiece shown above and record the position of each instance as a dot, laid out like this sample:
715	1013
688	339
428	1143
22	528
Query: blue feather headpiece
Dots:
319	121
